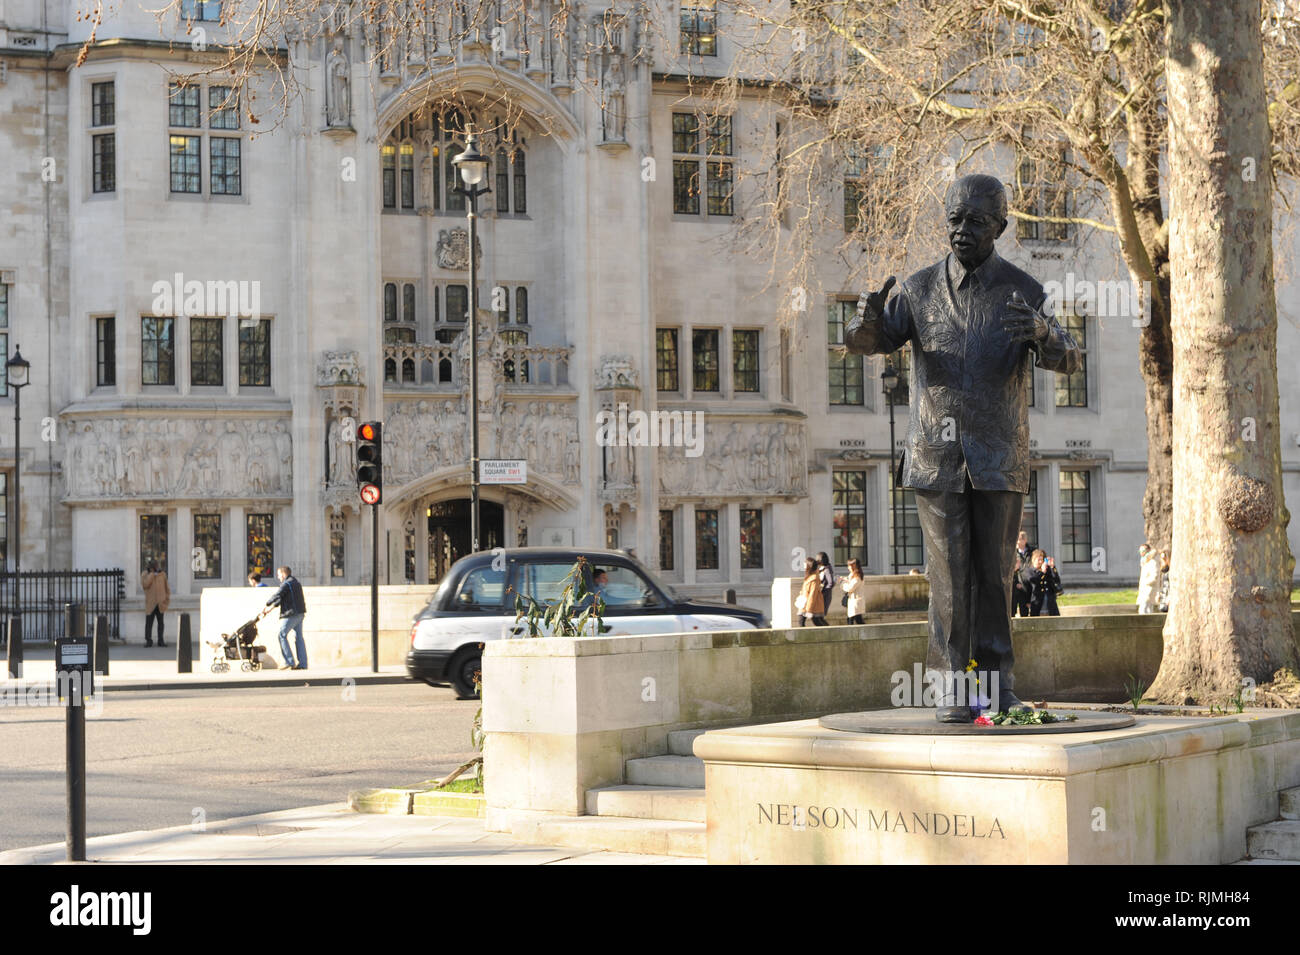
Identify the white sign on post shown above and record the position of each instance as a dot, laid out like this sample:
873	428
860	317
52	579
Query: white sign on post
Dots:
500	471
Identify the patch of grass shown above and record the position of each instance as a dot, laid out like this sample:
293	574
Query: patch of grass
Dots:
471	784
1085	598
465	784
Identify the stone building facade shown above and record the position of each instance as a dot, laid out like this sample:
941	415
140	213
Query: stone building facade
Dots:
210	303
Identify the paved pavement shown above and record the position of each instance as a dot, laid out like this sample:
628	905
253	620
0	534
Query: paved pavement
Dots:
329	835
136	667
155	758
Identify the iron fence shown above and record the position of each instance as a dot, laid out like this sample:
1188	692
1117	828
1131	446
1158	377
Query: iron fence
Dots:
44	592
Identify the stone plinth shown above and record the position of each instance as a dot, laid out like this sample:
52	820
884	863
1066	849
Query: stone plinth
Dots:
563	716
1167	790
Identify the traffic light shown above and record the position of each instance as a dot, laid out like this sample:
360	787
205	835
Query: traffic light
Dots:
370	461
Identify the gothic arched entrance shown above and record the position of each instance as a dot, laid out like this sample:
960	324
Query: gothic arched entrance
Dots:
449	532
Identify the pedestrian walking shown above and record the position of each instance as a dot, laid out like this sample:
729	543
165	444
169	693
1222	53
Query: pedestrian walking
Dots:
1021	592
854	586
157	598
293	607
1148	579
809	603
827	574
255	580
1024	550
1162	589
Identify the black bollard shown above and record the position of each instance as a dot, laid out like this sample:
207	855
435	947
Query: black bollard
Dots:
101	644
74	620
729	595
75	756
16	647
184	651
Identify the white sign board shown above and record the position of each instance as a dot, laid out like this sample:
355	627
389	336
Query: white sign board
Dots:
498	471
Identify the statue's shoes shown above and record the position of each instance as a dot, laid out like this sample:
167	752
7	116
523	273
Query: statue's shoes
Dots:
1008	702
954	714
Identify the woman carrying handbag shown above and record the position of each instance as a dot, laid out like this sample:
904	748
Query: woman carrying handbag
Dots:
809	603
855	592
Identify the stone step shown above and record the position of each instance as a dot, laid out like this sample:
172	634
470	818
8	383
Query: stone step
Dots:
686	772
648	836
1288	802
647	802
682	742
1278	841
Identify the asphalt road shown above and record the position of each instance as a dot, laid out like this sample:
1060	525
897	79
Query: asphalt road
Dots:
154	758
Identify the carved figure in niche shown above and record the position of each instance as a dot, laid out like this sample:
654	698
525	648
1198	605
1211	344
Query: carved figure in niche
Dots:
261	459
231	459
338	79
562	51
615	100
521	533
572	449
509	27
797	464
284	456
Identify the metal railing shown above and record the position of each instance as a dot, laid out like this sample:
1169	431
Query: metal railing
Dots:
44	592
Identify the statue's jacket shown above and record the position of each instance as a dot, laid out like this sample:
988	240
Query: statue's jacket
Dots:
970	379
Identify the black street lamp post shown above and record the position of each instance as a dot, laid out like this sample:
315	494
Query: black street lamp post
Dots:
17	369
889	379
473	169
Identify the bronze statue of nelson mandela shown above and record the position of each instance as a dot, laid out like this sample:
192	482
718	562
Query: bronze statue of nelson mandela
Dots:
975	323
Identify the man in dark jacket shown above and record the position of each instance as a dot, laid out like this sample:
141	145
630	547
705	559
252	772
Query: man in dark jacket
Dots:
976	325
1021	591
293	607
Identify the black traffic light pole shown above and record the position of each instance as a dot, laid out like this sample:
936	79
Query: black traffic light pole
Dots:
370	483
374	588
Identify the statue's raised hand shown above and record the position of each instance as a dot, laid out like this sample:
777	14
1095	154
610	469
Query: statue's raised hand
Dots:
1023	322
871	305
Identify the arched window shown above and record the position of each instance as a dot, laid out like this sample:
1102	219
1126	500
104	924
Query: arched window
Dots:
389	157
408	303
451	137
390	302
521	306
407	153
503	182
501	303
521	181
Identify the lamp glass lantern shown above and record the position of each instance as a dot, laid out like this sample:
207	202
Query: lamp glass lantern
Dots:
17	368
889	377
471	163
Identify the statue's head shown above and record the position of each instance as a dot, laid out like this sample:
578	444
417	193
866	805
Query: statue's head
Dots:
976	211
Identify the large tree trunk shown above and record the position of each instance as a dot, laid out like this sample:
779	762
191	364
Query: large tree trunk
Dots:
1156	360
1229	617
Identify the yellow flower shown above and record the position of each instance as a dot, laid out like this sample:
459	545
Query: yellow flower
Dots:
972	665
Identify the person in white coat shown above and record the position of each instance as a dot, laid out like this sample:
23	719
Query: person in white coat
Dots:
1148	580
855	592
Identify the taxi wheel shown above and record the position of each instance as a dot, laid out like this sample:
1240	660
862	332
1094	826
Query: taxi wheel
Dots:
464	666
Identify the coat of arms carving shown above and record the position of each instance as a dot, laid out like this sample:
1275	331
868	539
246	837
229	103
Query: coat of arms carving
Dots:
453	249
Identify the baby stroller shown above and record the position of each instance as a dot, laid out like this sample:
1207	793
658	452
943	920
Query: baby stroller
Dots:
237	646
